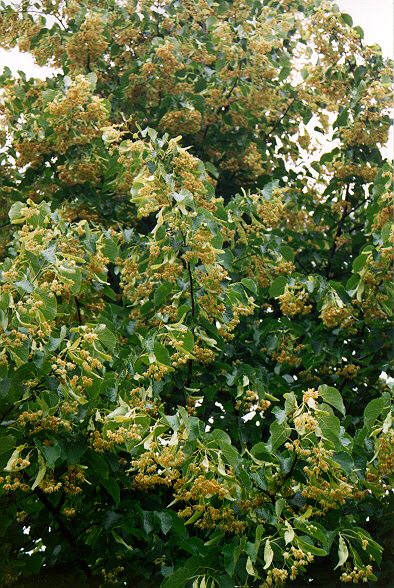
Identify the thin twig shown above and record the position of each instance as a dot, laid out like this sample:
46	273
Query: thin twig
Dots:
279	120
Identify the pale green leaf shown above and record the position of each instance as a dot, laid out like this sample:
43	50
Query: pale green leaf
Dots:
343	552
268	554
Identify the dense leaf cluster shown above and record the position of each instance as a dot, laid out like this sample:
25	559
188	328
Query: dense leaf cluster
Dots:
195	301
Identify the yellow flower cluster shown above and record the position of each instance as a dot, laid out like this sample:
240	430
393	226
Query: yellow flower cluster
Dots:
356	574
49	484
203	354
305	422
13	482
360	134
385	215
226	329
69	513
186	121
156	467
250	401
329	493
269	212
293	302
385	446
122	434
99	444
343	170
294	559
275	577
310	393
112	577
286	351
156	371
72	480
41	423
334	313
349	371
87	46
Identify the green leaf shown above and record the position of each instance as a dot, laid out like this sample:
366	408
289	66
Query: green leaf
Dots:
165	520
360	262
5	384
48	96
212	169
50	453
188	341
221	436
98	463
279	434
19	92
49	310
372	412
25	285
190	569
42	468
112	488
287	253
259	451
250	550
110	519
23	373
231	554
359	31
110	250
305	546
347	19
345	460
120	540
230	454
7	444
284	73
162	292
279	506
105	336
161	354
77	450
250	284
332	396
225	581
15	212
277	287
77	281
329	425
313	529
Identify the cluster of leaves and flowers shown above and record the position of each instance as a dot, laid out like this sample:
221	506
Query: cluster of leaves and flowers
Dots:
193	329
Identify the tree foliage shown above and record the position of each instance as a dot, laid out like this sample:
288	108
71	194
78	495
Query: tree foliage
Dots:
195	300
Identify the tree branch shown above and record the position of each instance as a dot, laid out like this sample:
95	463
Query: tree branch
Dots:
337	234
279	120
63	529
78	310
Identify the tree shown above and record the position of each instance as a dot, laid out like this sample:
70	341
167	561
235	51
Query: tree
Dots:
196	302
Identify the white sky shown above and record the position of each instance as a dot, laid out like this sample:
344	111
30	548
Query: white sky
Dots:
375	17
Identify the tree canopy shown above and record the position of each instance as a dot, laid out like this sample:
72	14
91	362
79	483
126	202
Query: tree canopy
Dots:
195	297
